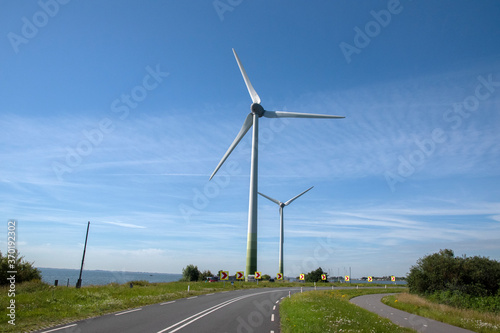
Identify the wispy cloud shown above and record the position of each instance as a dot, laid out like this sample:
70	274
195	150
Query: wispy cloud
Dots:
125	225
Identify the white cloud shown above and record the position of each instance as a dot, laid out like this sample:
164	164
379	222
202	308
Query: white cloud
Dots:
126	225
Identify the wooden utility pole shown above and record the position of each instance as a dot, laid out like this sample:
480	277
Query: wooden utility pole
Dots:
79	282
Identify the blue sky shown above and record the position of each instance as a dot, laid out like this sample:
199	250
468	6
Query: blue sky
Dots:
117	113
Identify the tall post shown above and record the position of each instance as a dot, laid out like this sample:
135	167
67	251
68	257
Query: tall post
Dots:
280	268
79	282
251	266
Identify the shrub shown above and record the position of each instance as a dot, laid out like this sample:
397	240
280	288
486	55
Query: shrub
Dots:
25	270
314	276
442	271
190	273
205	274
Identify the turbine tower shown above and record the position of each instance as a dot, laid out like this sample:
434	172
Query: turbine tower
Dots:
256	111
283	205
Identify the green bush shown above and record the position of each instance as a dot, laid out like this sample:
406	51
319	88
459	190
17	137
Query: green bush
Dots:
205	274
462	300
25	270
314	276
443	272
190	273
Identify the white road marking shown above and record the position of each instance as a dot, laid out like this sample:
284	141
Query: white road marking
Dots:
119	314
205	312
167	303
192	297
60	328
208	294
272	317
274	307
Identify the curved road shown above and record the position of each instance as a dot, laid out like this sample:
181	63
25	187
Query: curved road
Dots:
421	324
240	311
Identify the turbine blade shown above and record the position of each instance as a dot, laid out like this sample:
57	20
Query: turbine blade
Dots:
284	114
244	129
251	90
295	197
273	200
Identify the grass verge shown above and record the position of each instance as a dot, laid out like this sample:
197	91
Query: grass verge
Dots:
476	321
331	311
39	305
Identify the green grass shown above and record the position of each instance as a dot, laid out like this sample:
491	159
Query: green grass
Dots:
331	311
473	320
39	305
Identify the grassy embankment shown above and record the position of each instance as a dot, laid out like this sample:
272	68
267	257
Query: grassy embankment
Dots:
474	320
330	311
39	305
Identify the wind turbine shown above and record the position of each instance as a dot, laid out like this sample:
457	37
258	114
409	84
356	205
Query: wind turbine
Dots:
282	205
256	111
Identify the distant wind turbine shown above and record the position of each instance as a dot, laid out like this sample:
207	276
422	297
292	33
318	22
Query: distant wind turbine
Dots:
282	237
252	118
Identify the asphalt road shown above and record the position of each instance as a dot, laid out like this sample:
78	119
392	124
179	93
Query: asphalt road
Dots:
420	324
240	311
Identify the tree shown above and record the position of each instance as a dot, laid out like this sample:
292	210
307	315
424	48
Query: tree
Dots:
266	277
190	273
25	270
205	274
314	276
442	271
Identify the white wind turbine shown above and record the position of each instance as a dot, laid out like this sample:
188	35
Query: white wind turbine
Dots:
283	205
256	112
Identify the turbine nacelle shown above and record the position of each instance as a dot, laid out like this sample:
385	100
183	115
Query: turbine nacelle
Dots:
257	109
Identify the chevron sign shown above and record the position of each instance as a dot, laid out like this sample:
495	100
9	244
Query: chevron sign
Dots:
224	275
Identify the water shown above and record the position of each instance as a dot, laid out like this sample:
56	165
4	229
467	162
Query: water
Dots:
49	275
